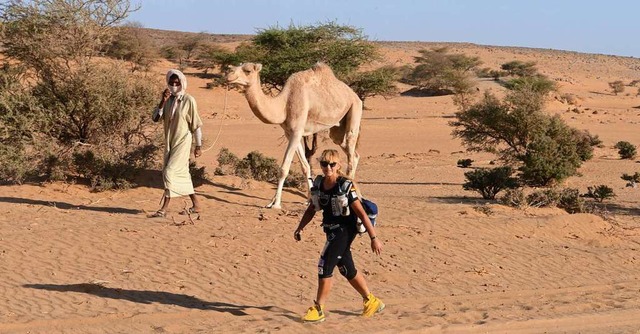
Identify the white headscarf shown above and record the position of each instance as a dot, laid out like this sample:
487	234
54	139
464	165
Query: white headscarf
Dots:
183	82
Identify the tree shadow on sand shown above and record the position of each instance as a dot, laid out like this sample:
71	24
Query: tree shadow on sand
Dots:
161	297
411	183
601	93
461	200
237	192
152	178
423	92
617	209
67	206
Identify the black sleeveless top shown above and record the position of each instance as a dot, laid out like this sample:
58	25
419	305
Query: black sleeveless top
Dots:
324	198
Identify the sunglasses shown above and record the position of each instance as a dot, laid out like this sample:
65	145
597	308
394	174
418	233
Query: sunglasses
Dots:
174	84
327	163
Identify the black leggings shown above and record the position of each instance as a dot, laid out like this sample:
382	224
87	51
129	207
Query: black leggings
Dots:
337	252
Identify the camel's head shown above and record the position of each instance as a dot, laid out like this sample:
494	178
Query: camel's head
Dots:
243	75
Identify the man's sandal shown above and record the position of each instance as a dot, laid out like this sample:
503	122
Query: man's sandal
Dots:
158	214
188	211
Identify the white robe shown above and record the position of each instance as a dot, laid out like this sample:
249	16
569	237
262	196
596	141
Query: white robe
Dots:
178	129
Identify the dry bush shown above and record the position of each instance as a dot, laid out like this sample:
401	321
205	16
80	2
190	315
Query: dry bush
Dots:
513	198
617	86
543	198
568	199
255	166
199	175
133	45
568	98
74	108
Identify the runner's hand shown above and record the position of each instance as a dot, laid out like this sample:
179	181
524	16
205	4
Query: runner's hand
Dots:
376	246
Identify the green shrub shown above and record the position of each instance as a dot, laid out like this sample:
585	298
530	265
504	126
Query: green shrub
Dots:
635	178
555	154
465	163
626	149
600	193
489	182
585	143
544	147
539	84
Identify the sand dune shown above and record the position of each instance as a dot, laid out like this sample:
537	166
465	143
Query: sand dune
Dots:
80	262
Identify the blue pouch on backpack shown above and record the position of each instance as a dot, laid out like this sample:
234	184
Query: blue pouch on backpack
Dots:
371	209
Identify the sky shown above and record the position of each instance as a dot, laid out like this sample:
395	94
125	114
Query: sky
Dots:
605	27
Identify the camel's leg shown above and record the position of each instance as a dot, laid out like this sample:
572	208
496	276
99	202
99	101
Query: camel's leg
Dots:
306	168
295	141
346	136
309	152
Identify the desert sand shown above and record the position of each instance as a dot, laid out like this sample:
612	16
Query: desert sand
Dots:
73	261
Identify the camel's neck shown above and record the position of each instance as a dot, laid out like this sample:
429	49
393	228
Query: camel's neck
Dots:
270	110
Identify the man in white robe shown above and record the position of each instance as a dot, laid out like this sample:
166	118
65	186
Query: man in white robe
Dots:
181	120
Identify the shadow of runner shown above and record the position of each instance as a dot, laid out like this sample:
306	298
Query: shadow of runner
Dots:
67	206
148	297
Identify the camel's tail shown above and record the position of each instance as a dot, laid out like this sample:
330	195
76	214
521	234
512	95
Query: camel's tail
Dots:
310	151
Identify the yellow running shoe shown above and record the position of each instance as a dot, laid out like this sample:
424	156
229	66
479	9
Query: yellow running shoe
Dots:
372	306
315	313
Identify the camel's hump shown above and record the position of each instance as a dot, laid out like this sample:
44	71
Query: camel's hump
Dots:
321	68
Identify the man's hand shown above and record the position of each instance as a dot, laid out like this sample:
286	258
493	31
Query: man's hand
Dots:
164	98
197	152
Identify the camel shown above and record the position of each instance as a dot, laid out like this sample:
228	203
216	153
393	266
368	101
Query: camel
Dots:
311	101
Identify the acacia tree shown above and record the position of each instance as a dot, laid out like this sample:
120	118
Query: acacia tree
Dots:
132	44
440	72
380	81
520	68
79	102
212	56
283	52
